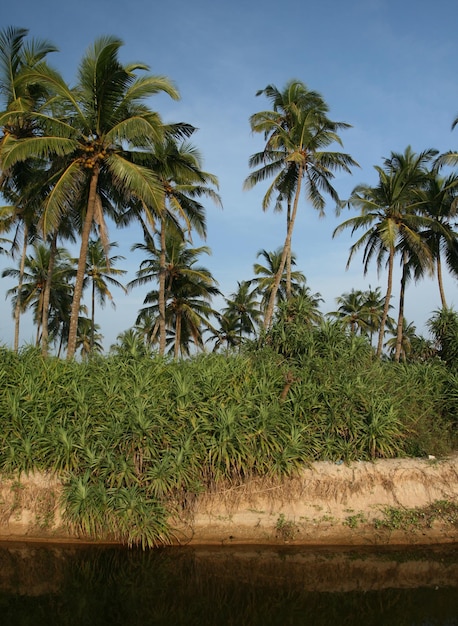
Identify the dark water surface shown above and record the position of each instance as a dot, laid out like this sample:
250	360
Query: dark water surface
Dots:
44	584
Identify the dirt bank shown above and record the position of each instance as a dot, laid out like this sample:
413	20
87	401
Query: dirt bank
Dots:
328	504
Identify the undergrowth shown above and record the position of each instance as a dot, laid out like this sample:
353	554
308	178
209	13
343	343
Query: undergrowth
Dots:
135	439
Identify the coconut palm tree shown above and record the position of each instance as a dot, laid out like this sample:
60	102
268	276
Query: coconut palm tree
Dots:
266	276
373	306
351	311
228	333
298	133
17	100
17	56
188	290
408	340
189	311
390	215
34	279
97	133
242	310
361	310
88	340
132	343
100	271
416	255
178	166
441	206
306	304
66	230
443	326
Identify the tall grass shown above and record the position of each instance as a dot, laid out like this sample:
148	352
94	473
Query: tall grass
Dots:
135	439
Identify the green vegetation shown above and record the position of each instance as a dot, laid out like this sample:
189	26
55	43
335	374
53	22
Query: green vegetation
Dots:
418	518
136	437
353	521
286	529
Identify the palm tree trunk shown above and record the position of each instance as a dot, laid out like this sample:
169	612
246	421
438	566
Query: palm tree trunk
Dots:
47	295
400	328
288	258
39	314
440	282
80	272
17	310
92	315
286	249
161	295
387	303
177	334
152	336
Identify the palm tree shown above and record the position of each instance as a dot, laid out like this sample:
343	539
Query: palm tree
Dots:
388	212
65	230
351	311
407	341
34	278
443	326
17	100
373	306
298	132
18	56
242	310
131	342
441	206
361	310
416	255
228	333
99	272
306	304
266	276
190	311
188	291
88	340
178	166
97	137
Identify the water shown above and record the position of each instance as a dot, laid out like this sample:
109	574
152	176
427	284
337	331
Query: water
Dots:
44	584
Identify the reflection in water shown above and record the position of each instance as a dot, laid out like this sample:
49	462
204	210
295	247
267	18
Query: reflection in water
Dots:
76	585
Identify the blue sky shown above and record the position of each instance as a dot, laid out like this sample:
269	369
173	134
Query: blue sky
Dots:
386	67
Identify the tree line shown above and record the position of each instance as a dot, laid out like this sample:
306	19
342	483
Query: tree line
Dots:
72	157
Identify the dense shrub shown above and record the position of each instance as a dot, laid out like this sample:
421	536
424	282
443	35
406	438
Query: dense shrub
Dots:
134	438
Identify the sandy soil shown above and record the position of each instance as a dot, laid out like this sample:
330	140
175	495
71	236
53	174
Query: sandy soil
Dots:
329	504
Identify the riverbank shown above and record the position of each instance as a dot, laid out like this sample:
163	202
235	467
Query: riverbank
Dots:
395	501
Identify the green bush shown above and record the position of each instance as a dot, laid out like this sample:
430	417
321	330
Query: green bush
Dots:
136	438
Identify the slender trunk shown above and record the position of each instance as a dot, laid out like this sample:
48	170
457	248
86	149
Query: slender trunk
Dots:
440	282
92	316
387	303
37	336
152	336
61	341
288	258
177	334
400	328
17	310
286	249
161	297
80	272
47	296
39	313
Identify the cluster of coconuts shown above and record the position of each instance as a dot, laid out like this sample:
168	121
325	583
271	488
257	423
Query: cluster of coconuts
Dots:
90	158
